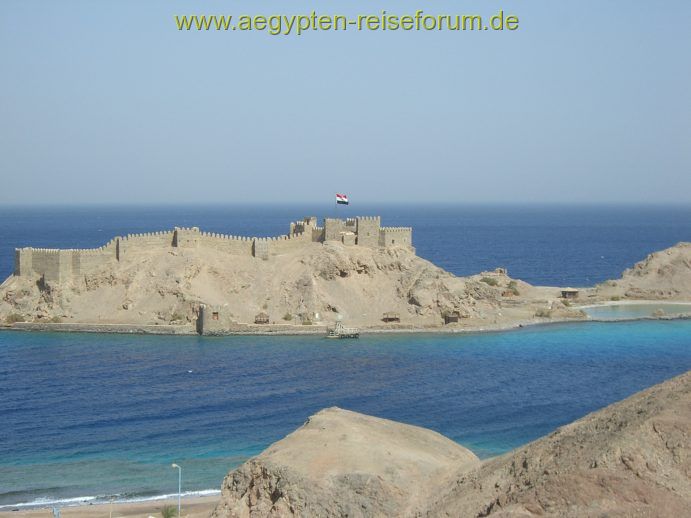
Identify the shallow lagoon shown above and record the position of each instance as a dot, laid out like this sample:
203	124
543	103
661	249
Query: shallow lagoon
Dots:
106	414
630	311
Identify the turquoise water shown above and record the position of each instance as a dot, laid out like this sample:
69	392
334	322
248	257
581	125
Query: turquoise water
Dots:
99	415
631	311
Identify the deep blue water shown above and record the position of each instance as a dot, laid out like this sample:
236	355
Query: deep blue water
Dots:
556	245
106	415
94	415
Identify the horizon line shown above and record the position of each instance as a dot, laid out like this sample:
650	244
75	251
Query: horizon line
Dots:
350	207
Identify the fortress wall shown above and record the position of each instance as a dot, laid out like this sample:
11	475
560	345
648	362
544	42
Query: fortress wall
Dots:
235	245
184	237
306	225
396	236
162	239
76	264
317	234
64	265
60	265
23	261
333	229
137	243
86	263
368	231
50	263
260	248
284	244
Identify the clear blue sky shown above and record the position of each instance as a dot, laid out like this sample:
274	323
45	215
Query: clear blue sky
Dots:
107	102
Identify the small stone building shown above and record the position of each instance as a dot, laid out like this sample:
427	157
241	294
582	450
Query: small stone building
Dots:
569	293
451	316
261	318
214	320
391	316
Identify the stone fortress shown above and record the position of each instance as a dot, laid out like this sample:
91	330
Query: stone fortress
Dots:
63	265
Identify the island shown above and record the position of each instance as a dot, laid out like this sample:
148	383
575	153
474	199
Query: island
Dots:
350	270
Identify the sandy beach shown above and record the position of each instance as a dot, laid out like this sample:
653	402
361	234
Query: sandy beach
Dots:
196	507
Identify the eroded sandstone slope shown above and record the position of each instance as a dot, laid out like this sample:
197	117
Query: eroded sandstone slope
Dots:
662	275
317	283
342	463
630	459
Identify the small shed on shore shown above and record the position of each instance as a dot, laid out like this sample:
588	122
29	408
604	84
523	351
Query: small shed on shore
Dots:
569	293
451	316
261	318
391	316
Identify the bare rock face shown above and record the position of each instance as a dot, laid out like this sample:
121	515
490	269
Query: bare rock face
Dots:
341	463
629	459
662	275
162	286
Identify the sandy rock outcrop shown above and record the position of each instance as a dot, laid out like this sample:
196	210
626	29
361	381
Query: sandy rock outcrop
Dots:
316	284
342	463
630	459
662	275
165	286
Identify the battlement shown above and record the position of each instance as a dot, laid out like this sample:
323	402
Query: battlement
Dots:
63	265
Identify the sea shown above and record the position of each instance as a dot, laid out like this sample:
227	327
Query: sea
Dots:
88	418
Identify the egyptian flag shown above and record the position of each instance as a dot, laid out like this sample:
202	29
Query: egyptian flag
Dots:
341	199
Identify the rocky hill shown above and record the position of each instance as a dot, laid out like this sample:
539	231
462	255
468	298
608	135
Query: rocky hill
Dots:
662	275
315	283
342	463
629	459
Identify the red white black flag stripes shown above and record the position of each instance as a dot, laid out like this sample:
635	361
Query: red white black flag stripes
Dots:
341	199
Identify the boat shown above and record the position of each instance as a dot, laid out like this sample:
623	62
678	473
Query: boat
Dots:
340	331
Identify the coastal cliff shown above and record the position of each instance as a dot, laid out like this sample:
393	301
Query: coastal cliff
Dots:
631	458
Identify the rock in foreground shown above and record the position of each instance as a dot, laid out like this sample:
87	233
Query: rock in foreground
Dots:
629	459
342	463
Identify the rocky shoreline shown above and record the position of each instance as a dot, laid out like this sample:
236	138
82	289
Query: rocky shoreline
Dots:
268	330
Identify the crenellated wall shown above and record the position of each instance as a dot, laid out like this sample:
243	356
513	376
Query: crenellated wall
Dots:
396	236
145	241
368	231
333	228
62	265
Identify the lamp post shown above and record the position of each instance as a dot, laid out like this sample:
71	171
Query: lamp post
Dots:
179	485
